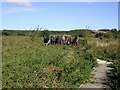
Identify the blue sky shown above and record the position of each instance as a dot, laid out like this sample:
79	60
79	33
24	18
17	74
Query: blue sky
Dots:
119	16
60	15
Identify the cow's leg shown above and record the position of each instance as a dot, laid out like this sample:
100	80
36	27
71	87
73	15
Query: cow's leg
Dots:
77	42
48	42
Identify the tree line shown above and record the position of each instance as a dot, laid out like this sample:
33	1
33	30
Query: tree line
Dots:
110	33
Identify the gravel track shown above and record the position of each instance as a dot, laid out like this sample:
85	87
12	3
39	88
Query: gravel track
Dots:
99	78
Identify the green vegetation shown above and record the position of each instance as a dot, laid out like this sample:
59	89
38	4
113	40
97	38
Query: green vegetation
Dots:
78	32
27	62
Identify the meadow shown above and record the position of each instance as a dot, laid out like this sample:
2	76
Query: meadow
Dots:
28	63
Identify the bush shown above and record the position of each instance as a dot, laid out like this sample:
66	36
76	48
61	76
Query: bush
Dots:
83	42
103	35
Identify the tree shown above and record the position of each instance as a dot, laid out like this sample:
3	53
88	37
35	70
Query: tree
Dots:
45	33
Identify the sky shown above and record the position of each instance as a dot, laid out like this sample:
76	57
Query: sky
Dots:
59	15
119	16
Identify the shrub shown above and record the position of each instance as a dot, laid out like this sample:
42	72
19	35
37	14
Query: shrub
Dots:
83	42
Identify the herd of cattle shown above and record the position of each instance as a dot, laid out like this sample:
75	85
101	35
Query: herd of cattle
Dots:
60	39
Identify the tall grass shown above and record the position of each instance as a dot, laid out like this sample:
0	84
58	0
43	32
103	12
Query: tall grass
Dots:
108	49
28	63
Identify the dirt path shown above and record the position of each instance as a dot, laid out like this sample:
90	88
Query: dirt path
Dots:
99	79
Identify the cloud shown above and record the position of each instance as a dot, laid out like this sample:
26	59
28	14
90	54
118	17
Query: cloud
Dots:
25	3
23	10
22	6
60	1
74	0
17	10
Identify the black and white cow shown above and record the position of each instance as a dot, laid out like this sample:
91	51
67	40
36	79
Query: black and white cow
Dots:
57	39
47	40
75	40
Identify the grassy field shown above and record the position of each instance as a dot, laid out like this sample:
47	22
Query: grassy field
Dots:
29	63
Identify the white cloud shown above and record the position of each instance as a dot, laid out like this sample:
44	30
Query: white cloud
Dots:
22	6
25	3
17	10
74	0
23	10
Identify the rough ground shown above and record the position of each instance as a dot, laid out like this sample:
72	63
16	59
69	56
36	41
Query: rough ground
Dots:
99	78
